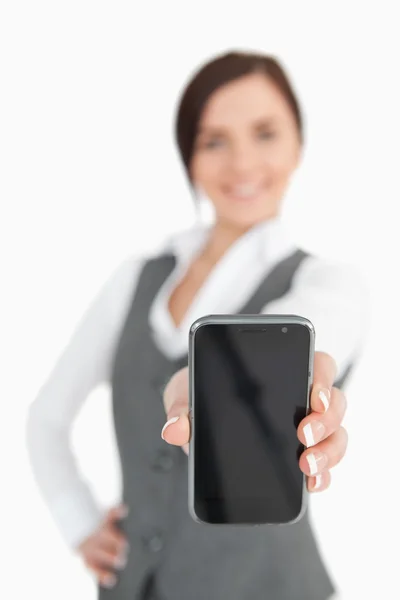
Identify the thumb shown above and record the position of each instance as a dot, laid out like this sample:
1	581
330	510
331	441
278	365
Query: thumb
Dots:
176	430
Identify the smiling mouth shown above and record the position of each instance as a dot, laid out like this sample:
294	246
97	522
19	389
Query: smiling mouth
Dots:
245	192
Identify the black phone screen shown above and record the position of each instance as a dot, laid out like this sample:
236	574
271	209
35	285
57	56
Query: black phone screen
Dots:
250	392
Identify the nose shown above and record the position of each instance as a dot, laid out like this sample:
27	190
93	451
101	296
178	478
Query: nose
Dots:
243	159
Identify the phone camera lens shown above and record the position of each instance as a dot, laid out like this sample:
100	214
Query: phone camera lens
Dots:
284	329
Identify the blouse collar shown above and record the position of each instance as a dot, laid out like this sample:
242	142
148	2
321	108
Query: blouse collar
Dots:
269	239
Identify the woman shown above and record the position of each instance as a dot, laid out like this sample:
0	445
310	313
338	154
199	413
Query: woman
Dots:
240	132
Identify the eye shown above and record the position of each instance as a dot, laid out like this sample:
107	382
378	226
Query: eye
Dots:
213	143
265	134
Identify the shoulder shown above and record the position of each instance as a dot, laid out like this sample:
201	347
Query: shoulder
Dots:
130	266
176	244
334	296
180	245
338	277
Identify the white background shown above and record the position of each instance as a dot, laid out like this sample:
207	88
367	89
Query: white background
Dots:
89	174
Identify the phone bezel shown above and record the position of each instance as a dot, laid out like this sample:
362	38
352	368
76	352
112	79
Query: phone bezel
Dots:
241	319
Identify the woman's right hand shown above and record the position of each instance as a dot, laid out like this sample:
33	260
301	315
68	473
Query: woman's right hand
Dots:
105	551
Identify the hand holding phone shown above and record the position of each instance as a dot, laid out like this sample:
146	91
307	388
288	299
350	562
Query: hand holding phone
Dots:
236	390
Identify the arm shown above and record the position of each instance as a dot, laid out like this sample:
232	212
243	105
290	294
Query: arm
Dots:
83	365
334	298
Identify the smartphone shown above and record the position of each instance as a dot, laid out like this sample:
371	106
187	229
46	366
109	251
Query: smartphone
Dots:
250	380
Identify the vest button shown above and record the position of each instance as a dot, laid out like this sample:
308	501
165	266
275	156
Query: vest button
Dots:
163	461
154	543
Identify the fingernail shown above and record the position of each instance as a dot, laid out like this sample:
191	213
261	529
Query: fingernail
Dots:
318	481
313	432
325	396
120	561
167	424
316	462
109	581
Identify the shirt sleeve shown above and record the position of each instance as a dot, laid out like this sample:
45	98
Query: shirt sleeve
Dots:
84	364
335	298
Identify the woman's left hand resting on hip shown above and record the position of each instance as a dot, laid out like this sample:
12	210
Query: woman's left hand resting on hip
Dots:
320	431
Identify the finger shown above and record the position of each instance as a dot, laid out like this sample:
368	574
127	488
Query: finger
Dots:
117	514
325	371
112	539
106	579
176	430
319	483
325	455
316	427
104	558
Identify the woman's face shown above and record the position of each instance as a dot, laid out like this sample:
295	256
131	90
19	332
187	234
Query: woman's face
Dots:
246	150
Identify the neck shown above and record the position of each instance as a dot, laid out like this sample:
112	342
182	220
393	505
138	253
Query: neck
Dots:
223	235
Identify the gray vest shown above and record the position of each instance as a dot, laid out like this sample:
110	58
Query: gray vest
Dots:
183	559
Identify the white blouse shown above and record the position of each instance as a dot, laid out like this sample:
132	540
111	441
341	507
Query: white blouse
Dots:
332	296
